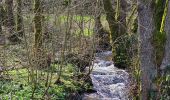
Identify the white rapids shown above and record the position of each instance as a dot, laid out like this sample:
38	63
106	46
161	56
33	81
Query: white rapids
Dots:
110	82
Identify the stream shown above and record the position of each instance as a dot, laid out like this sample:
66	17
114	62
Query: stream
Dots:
110	82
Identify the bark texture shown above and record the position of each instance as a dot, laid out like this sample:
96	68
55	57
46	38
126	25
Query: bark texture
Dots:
102	35
110	17
117	24
159	11
166	59
19	22
10	23
146	28
2	36
1	18
122	17
38	23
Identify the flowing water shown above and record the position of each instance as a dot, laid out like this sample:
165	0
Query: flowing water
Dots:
110	82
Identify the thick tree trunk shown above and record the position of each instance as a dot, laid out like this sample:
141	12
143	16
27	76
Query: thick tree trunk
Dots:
117	25
10	22
102	35
110	17
146	28
122	17
166	59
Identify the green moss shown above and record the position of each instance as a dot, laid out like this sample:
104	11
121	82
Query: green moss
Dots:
164	16
159	37
159	12
158	42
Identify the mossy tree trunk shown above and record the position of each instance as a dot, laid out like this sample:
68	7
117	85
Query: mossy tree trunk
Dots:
101	35
38	23
117	24
121	58
166	59
19	22
38	57
159	11
159	35
165	65
110	17
122	10
113	24
146	29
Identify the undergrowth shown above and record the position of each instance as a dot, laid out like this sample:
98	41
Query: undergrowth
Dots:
14	85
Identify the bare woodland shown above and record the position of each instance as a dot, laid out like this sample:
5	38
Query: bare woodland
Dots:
49	49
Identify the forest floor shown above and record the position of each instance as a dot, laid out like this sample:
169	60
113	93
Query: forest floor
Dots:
15	83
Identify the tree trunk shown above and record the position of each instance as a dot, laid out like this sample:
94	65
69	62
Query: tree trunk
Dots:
102	36
19	22
10	22
122	16
38	23
113	25
38	57
1	18
2	14
98	26
166	59
159	11
2	36
146	28
117	24
110	17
